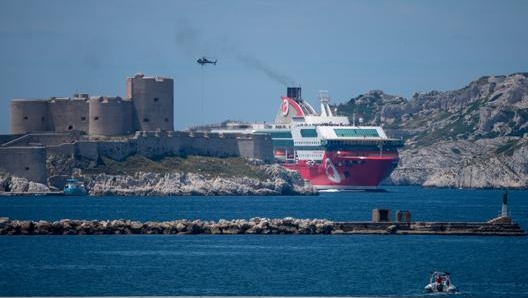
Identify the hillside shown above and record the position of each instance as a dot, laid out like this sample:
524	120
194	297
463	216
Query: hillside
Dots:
471	137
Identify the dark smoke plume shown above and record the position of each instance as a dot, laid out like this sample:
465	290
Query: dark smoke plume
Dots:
193	42
255	63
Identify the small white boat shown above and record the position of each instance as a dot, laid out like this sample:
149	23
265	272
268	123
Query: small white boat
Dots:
440	282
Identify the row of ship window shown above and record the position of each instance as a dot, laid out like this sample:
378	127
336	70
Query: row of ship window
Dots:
312	133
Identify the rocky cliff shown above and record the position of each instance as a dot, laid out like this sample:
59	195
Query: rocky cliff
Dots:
18	185
179	183
471	137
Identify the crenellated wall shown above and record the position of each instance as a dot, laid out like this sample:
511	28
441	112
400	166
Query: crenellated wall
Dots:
178	143
28	162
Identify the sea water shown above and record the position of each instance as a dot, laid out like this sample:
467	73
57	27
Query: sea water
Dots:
265	265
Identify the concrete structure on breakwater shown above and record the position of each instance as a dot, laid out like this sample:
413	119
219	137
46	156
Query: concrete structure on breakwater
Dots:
88	128
254	226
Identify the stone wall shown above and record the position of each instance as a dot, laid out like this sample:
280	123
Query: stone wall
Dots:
153	100
149	107
110	116
43	139
87	149
67	114
155	144
210	144
256	145
51	115
26	155
29	115
27	162
68	149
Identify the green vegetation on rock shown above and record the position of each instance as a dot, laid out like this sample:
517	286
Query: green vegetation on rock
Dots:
207	166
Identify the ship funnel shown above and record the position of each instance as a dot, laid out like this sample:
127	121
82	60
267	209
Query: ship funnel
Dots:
294	93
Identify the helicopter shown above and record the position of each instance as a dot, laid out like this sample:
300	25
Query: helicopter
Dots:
204	61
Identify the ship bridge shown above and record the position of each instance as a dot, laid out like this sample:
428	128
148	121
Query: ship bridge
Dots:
356	135
352	132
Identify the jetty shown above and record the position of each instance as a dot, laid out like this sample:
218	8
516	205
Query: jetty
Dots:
432	228
261	226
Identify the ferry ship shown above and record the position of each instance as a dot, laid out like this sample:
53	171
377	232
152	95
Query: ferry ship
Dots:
327	150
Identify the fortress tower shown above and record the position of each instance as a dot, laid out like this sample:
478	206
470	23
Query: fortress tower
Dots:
67	114
153	102
110	116
28	115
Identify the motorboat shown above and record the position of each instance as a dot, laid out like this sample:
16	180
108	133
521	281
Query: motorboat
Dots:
74	187
440	282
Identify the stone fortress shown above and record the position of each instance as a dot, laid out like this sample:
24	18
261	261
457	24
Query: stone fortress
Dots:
148	106
89	127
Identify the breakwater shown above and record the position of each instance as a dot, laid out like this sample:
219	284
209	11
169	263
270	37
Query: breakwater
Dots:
252	226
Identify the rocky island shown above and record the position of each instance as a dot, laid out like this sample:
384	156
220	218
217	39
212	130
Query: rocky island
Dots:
473	137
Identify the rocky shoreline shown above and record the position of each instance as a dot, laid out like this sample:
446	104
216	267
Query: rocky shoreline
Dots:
264	226
277	181
185	184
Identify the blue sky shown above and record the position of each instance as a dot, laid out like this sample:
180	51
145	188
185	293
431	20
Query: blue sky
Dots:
60	47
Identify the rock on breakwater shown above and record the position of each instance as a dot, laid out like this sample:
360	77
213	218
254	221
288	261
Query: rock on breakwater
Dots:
256	225
182	226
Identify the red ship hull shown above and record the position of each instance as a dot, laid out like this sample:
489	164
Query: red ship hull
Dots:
327	150
345	170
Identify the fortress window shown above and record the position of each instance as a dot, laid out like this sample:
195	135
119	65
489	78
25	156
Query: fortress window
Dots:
42	118
26	168
145	119
70	127
166	119
156	99
25	117
83	118
96	118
